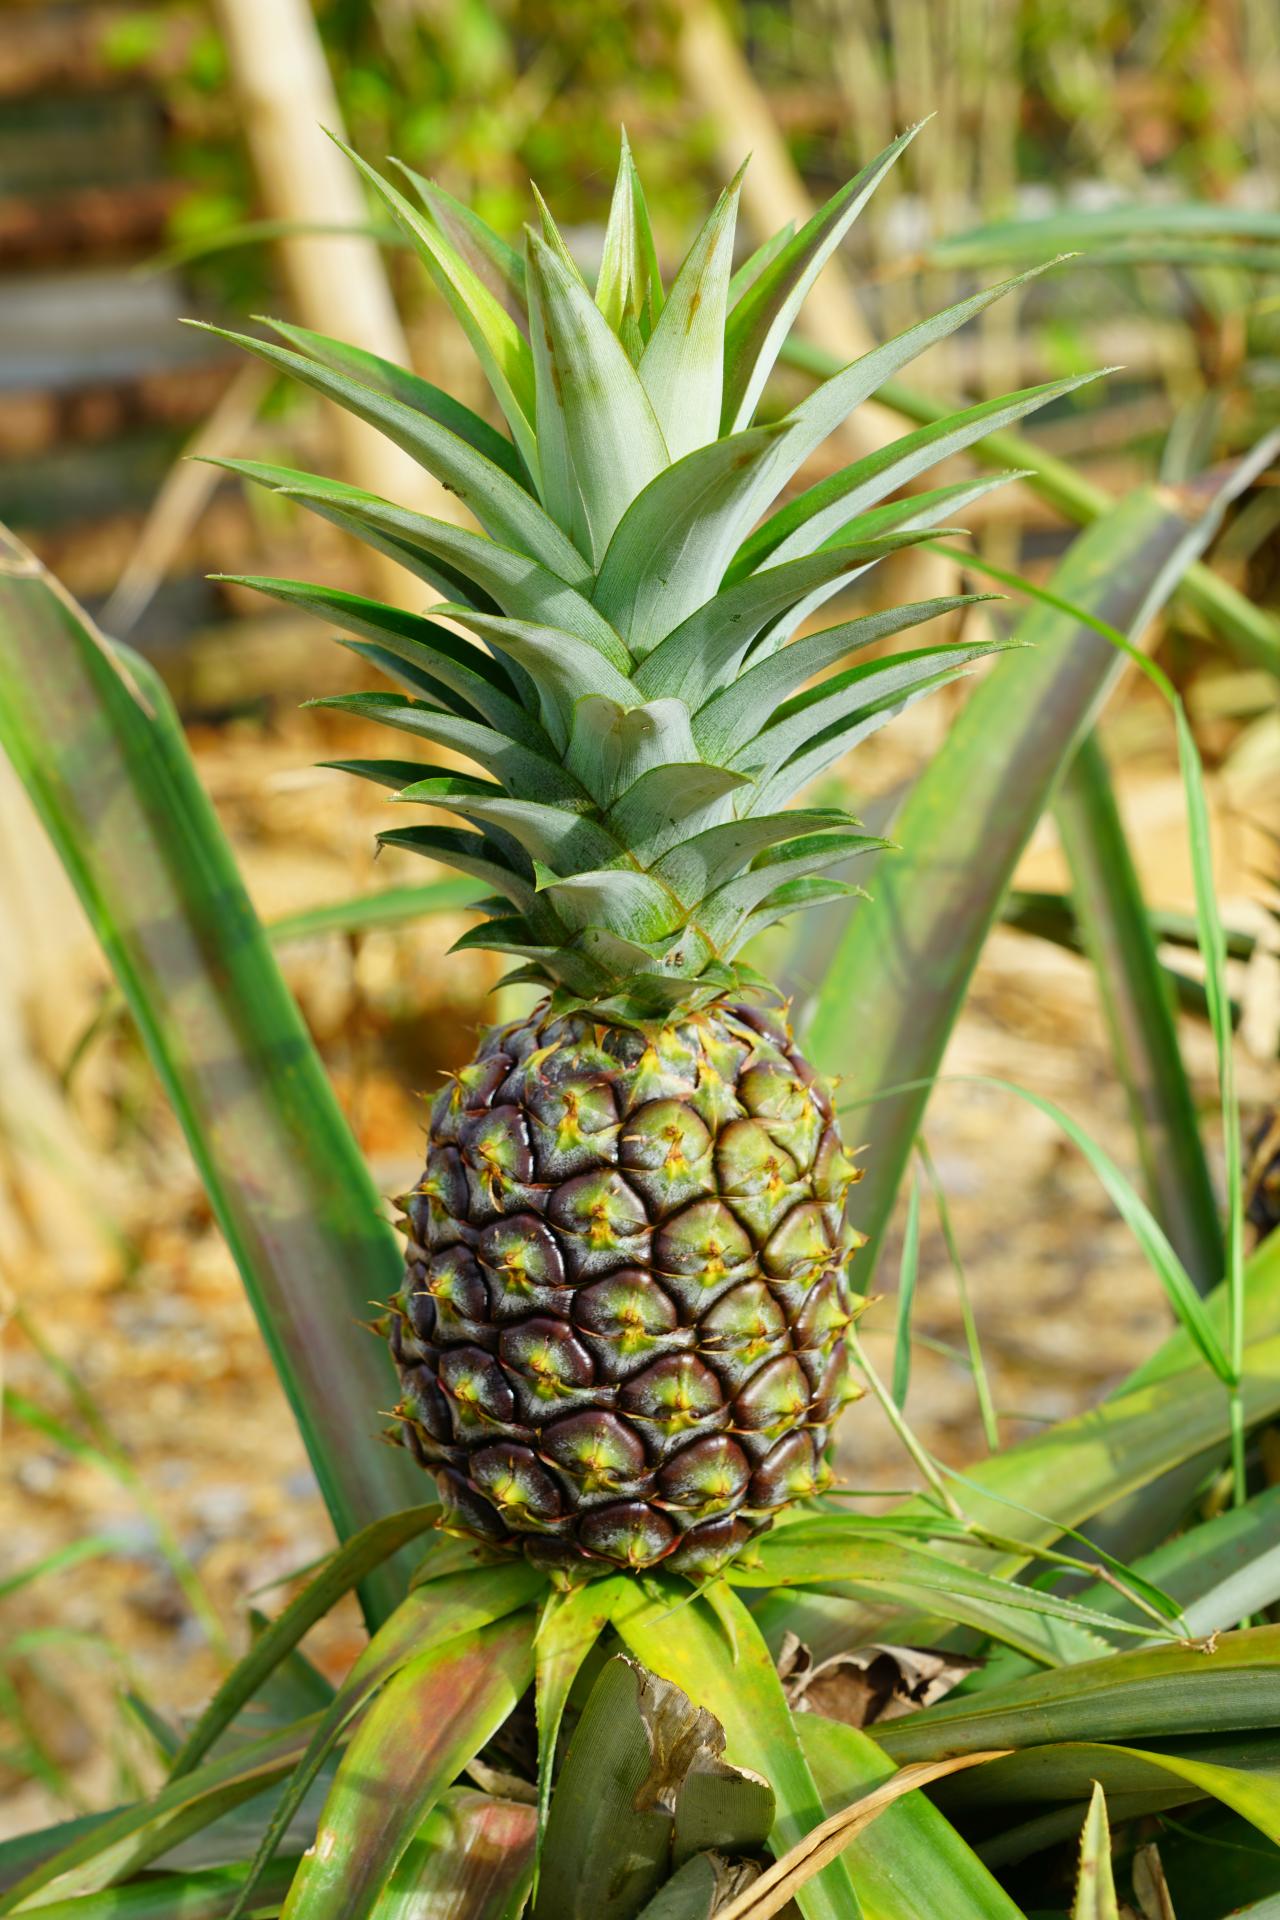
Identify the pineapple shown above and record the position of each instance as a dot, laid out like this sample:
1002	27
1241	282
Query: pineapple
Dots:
621	1335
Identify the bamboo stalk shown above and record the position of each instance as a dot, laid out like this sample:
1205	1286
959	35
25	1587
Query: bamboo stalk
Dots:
338	283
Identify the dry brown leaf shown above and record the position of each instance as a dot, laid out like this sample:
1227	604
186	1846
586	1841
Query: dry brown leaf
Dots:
1150	1888
868	1684
782	1881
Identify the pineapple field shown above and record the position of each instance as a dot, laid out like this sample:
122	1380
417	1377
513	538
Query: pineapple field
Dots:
638	1210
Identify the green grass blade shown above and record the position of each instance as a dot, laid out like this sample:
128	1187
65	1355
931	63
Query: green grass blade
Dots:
203	1895
93	737
1118	938
422	1730
910	1861
1154	1694
344	1570
1091	227
908	955
133	1837
908	1271
685	1641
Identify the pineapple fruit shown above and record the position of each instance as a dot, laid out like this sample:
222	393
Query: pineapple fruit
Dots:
621	1336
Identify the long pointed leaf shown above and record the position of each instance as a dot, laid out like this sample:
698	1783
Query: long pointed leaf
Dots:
909	953
1137	1003
94	738
431	1720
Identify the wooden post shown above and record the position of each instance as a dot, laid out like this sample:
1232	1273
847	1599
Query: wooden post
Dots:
338	283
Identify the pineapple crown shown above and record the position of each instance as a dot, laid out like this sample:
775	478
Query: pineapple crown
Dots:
619	656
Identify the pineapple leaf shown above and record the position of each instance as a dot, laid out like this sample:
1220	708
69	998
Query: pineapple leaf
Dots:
470	853
592	412
612	745
669	802
629	279
914	513
465	668
829	506
388	773
823	410
554	238
529	775
834	741
421	1731
412	678
846	696
497	342
732	718
795	897
486	252
705	650
946	1875
436	1612
720	914
697	866
756	262
762	319
683	365
502	507
564	668
410	389
547	834
621	901
738	1682
358	513
486	572
571	1624
671	547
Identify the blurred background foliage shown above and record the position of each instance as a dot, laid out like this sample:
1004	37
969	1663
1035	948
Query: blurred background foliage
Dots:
143	1416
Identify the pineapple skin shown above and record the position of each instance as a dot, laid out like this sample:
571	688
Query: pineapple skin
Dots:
621	1335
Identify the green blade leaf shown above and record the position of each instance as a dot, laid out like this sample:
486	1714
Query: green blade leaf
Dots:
340	1574
95	740
497	342
911	1861
751	709
411	390
831	505
460	563
671	547
629	278
680	1639
593	413
486	252
641	1788
570	1626
698	655
1138	1006
762	319
422	1730
502	507
451	1607
1157	1693
682	367
129	1840
1095	1886
940	895
204	1895
1252	631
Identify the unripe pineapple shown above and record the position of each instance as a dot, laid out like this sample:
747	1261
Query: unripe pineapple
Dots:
621	1337
622	1327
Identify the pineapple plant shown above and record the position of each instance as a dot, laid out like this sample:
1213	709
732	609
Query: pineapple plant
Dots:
621	1334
